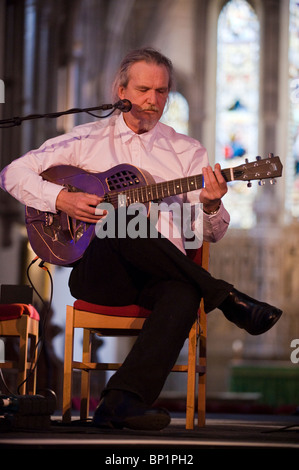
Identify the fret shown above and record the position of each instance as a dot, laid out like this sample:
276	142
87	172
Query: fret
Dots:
191	183
185	185
227	174
136	197
194	182
168	190
165	189
181	186
143	192
149	193
177	186
173	187
139	197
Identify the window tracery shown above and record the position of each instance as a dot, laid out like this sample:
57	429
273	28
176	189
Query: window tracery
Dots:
237	102
176	113
292	173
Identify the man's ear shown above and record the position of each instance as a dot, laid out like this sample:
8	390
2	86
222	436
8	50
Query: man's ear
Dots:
121	92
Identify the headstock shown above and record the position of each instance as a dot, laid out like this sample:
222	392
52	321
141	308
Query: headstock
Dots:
261	169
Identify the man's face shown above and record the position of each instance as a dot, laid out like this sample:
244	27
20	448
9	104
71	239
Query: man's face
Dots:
147	90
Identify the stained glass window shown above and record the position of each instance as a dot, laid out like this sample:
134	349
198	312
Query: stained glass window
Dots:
237	102
292	195
176	113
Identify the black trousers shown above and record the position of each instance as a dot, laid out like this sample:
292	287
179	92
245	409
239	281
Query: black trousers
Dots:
153	273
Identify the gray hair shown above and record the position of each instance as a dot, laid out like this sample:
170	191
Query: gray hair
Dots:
146	54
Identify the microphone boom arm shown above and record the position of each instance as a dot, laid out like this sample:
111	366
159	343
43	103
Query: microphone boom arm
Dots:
122	105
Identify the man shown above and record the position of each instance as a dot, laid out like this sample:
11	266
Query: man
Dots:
151	270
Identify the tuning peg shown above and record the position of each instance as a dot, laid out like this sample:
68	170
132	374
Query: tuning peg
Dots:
249	184
271	155
261	182
258	158
273	181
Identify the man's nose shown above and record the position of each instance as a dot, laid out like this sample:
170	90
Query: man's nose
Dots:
152	97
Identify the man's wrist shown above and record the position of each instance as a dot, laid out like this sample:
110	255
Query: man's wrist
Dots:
211	211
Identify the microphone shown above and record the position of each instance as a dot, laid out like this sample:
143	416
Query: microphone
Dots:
123	105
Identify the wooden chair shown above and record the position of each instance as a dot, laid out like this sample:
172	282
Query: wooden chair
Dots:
22	321
113	321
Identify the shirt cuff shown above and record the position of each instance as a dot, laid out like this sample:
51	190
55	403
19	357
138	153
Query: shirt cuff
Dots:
50	194
215	225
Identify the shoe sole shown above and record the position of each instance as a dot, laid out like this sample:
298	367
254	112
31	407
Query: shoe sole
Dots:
150	422
147	422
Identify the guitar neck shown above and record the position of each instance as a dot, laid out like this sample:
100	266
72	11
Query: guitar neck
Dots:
156	191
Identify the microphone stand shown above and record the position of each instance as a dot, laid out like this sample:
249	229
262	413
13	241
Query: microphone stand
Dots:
17	121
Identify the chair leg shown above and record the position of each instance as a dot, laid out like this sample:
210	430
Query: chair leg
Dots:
85	375
202	377
33	354
201	401
68	364
191	383
23	325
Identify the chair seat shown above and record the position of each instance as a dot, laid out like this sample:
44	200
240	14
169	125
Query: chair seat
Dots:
132	310
14	311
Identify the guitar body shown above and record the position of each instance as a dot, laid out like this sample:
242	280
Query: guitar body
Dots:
60	239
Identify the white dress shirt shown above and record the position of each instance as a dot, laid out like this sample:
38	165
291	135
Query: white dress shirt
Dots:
101	145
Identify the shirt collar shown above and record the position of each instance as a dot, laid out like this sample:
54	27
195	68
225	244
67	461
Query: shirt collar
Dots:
126	134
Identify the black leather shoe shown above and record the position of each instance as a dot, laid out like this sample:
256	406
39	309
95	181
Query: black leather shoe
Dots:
253	316
119	409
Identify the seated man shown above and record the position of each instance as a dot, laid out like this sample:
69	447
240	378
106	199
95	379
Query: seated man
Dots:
153	270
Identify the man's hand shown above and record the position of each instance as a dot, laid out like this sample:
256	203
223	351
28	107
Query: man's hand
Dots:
81	206
215	188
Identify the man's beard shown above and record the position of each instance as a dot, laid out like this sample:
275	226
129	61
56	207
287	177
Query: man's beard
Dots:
151	120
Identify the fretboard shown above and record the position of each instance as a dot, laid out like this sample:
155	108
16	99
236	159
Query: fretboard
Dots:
157	191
